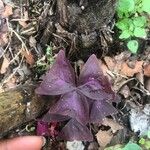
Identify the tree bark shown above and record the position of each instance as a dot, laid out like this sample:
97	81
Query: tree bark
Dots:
18	106
77	25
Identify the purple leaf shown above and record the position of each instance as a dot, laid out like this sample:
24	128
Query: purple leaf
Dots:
101	109
89	102
73	130
42	128
74	105
91	70
93	83
95	90
59	79
54	118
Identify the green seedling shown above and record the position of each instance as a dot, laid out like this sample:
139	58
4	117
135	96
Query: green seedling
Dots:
43	64
132	21
145	141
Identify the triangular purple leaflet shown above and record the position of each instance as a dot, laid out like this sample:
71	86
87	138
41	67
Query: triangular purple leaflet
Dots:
59	79
73	130
101	109
74	105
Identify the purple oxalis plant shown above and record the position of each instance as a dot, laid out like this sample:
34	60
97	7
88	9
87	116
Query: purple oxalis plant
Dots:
84	99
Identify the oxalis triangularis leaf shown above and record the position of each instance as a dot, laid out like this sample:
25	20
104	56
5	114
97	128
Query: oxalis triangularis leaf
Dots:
84	99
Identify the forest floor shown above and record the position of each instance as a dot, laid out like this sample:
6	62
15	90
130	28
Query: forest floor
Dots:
24	60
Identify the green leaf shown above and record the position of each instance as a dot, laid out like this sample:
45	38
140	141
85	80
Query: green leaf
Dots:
147	144
132	146
126	6
123	24
142	141
140	32
146	6
120	14
133	46
148	134
125	34
131	27
139	21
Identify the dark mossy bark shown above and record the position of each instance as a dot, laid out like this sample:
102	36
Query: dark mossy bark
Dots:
77	25
18	106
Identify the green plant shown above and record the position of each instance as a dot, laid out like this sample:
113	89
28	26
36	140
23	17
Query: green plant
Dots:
145	141
84	99
132	21
143	144
43	64
129	146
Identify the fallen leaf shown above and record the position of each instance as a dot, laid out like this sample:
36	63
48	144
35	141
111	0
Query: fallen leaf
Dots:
29	57
113	124
8	11
110	62
104	137
23	23
127	71
147	70
4	66
3	39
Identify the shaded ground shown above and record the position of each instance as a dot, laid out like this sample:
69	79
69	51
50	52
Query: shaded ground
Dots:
29	44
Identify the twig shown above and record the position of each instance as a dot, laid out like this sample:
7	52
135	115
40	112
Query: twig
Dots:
5	49
19	38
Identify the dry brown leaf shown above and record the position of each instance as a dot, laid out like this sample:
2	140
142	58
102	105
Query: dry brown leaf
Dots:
3	39
28	56
4	66
23	23
104	137
8	11
127	71
110	62
111	123
147	70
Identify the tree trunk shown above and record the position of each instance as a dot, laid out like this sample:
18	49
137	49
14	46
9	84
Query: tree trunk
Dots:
77	25
18	106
